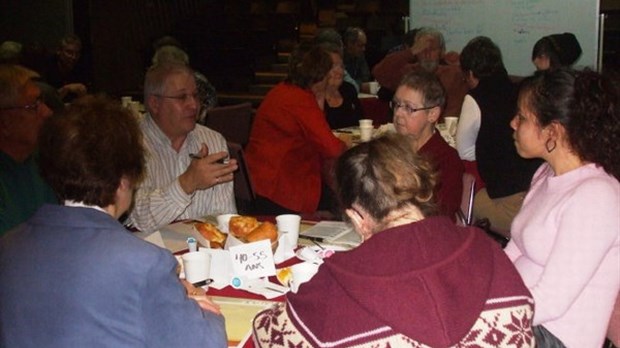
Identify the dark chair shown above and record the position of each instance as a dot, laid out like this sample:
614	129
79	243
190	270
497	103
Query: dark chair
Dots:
244	191
234	122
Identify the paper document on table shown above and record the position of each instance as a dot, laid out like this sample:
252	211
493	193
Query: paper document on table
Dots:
334	232
239	314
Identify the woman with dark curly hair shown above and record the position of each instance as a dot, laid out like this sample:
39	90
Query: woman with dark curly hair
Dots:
566	238
290	142
73	272
417	280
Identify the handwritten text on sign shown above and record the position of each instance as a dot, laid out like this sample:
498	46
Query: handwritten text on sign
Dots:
253	260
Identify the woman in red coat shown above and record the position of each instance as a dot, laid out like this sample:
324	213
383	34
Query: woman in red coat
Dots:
291	142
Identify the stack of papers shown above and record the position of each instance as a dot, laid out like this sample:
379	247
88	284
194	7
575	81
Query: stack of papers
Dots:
333	232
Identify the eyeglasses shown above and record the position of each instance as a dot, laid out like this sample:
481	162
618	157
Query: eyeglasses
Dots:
29	107
394	105
181	97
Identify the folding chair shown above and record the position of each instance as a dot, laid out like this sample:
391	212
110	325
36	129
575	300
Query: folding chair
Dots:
244	191
466	213
234	122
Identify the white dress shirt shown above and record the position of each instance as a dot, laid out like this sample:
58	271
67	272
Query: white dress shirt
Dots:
467	130
160	199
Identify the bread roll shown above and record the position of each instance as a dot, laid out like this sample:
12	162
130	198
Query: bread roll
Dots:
210	232
266	230
241	226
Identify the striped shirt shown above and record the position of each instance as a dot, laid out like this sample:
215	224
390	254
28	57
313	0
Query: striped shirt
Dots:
160	199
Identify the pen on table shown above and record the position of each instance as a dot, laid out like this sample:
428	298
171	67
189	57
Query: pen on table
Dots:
203	283
311	238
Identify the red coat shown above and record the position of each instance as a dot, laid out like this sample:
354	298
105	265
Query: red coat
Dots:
289	142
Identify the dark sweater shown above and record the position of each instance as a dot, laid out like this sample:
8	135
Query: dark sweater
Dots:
502	169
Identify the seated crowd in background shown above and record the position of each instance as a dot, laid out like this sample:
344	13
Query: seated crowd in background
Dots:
73	272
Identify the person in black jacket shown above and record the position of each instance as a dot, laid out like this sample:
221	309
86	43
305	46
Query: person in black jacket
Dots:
505	173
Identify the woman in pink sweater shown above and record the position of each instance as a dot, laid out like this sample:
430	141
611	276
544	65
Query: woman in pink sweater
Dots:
565	240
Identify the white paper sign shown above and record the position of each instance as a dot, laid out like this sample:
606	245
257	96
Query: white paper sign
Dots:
221	268
253	260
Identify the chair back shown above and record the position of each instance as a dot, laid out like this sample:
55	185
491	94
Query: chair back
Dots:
244	191
466	214
234	122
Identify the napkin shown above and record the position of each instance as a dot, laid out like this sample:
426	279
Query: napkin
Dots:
285	250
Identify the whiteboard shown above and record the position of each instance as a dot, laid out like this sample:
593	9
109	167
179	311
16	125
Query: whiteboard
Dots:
514	25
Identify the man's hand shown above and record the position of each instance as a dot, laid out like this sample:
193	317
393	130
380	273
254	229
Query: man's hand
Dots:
205	171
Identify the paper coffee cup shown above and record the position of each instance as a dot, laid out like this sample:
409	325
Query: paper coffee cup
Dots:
373	87
366	133
288	225
365	122
196	266
125	101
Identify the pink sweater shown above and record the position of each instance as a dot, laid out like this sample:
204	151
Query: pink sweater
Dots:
566	246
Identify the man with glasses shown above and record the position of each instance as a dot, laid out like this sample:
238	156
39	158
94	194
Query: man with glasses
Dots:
185	178
427	53
22	114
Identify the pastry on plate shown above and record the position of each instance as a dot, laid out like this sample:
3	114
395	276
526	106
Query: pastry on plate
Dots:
210	232
240	226
266	230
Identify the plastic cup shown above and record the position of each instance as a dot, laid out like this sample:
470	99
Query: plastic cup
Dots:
288	225
196	266
366	133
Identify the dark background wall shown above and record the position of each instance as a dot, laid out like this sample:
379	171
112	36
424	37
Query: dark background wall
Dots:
226	39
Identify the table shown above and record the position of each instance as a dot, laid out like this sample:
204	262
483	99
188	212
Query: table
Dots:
239	307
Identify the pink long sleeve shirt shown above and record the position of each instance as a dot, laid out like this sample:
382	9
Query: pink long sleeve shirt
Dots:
566	246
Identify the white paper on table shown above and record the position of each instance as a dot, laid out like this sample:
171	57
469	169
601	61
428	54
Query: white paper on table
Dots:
156	239
253	260
264	287
285	250
221	267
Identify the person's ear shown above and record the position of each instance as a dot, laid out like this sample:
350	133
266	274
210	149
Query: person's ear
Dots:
433	114
125	184
153	104
362	222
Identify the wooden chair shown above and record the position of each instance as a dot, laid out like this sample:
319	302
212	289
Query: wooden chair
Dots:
234	122
244	191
